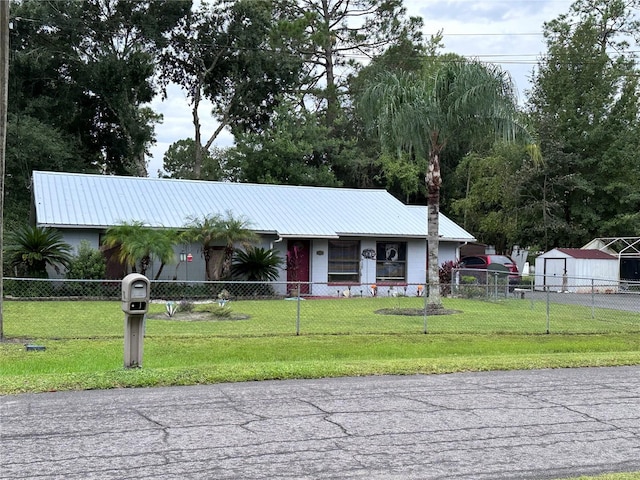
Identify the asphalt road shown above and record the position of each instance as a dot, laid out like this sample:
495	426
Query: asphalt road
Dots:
541	424
629	302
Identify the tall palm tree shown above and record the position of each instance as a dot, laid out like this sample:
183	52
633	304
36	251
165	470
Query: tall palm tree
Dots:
235	230
218	236
34	249
162	246
139	245
420	113
120	237
205	231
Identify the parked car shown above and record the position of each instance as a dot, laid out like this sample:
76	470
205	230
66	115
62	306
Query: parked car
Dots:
492	262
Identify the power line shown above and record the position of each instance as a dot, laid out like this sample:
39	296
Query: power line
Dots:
537	34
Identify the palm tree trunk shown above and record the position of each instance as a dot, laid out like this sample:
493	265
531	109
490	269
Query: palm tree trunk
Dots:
207	251
433	181
227	262
144	264
215	264
159	271
432	245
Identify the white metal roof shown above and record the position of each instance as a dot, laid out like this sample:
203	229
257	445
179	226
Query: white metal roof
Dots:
70	200
448	229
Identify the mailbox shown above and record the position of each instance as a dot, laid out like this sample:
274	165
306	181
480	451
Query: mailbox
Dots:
135	294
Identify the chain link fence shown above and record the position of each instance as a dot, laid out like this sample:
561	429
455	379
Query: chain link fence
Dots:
490	304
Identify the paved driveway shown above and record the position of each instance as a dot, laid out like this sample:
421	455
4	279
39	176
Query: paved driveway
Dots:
615	301
494	425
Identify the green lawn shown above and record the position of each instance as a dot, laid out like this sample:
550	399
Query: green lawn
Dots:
84	342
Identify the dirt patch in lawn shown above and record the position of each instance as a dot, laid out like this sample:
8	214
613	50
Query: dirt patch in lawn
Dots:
198	317
415	312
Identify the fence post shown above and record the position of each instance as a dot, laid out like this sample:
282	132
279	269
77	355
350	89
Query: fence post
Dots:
533	286
298	311
426	307
593	300
548	318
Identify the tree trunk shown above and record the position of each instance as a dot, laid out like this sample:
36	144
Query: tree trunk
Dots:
217	263
433	181
144	264
213	258
207	261
331	92
433	210
227	261
160	271
197	161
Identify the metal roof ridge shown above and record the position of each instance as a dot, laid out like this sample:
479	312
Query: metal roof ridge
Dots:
217	182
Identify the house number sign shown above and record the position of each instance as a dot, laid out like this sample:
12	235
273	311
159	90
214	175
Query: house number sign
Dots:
369	253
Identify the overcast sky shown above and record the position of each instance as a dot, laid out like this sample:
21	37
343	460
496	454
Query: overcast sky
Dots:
505	32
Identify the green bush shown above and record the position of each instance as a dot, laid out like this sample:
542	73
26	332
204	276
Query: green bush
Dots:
257	264
88	264
218	311
185	306
26	288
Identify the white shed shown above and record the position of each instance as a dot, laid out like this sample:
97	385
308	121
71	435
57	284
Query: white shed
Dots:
577	270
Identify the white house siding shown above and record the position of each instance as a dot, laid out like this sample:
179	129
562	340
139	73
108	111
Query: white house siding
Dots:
319	260
416	258
75	237
448	251
416	264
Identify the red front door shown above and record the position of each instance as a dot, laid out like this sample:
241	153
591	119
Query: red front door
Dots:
298	257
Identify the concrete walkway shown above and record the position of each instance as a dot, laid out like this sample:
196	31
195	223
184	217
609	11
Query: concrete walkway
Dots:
541	424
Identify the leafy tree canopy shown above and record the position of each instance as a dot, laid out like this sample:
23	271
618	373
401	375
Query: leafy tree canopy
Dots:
237	55
86	68
585	106
179	162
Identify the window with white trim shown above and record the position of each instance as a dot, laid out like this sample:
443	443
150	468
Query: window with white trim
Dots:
344	261
391	262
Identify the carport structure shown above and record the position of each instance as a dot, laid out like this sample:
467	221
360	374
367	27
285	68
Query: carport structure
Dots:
627	249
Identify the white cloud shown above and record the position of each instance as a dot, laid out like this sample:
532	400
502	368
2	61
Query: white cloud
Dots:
504	32
177	124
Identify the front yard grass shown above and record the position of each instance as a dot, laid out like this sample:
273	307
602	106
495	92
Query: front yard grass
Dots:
84	342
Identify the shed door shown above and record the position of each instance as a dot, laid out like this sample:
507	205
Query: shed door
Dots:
554	269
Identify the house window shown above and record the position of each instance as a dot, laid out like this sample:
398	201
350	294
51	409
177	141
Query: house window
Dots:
344	261
391	262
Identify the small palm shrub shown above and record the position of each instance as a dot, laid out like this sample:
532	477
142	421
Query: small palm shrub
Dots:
218	311
32	249
257	265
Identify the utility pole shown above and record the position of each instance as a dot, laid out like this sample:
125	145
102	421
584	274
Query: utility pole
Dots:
4	105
